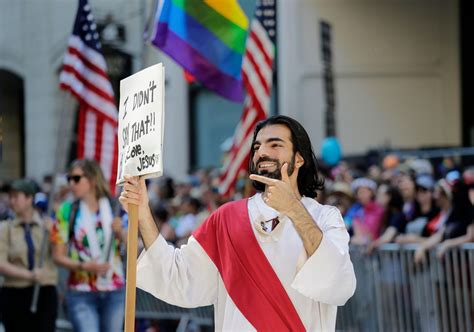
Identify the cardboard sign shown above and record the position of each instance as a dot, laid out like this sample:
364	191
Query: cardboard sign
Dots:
141	124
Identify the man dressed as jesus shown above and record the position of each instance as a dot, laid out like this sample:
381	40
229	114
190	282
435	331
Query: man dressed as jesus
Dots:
278	261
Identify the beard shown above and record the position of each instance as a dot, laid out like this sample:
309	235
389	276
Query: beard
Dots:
276	174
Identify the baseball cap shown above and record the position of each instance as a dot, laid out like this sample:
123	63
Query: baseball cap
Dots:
445	187
364	182
425	181
453	176
342	188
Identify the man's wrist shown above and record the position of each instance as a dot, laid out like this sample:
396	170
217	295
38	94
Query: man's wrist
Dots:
295	211
146	216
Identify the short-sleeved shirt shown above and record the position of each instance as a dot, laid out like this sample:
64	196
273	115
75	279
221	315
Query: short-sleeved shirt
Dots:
397	220
14	250
79	250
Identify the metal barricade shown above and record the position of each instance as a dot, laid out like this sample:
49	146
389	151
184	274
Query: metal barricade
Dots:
396	294
393	294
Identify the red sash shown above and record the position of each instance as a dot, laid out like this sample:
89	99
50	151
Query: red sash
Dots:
228	239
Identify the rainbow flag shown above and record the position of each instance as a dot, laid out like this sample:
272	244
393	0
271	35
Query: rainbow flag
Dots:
207	38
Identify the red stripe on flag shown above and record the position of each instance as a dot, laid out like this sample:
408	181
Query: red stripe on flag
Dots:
91	87
241	137
81	131
98	138
113	176
250	90
259	73
82	101
74	51
267	57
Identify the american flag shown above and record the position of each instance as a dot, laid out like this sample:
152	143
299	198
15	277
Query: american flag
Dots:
257	77
84	75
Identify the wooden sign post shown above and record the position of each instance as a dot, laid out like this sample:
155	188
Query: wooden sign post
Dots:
140	136
132	246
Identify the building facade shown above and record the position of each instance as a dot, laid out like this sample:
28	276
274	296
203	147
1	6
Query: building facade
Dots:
396	74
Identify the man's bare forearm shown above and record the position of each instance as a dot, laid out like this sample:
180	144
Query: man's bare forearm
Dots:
148	229
310	233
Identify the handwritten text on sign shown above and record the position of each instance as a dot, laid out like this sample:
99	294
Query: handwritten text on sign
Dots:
141	122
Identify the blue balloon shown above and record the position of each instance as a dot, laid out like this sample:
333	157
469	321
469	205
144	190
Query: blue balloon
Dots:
331	151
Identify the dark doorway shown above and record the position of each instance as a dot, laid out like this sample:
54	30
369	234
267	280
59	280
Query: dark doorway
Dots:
12	126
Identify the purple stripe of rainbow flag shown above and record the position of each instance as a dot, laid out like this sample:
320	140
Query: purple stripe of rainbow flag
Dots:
207	38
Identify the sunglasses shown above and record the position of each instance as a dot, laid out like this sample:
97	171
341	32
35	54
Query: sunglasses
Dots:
75	178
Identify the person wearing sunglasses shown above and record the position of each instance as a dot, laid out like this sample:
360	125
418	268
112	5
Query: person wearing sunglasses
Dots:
87	238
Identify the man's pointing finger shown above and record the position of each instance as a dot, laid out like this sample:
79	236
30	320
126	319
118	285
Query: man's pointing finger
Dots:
262	179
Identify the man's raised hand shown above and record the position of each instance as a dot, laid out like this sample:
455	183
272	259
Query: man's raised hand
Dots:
134	192
278	193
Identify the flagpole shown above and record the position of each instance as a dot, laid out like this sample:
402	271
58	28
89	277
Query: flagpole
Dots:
63	138
132	245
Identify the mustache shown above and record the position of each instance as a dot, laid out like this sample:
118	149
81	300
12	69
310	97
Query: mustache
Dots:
263	159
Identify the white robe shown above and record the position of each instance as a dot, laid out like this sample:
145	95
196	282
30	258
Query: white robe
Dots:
187	277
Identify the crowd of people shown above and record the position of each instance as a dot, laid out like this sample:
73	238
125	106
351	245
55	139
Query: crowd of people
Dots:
399	201
410	202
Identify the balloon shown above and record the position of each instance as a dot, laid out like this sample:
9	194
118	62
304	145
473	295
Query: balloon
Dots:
390	161
331	151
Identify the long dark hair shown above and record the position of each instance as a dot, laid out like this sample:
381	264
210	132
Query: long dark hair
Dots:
462	206
93	172
309	181
394	206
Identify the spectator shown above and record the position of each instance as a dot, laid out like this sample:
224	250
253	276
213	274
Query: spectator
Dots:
161	218
20	251
425	205
455	242
210	201
454	219
86	239
425	210
188	221
406	185
61	193
444	200
41	203
393	218
340	196
366	214
468	177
